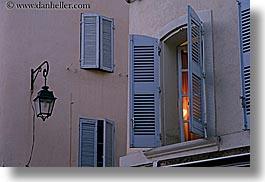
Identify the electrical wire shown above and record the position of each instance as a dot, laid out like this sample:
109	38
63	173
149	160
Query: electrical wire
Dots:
33	132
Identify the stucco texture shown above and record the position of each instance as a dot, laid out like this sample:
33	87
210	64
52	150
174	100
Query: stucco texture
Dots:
27	37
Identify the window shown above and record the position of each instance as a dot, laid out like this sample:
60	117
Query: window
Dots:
97	41
244	43
191	87
96	143
185	97
167	86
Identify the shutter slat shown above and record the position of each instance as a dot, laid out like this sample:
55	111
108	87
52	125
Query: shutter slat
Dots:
88	143
90	41
106	44
108	143
144	92
195	73
244	33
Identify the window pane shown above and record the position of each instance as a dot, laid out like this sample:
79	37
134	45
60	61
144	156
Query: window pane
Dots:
186	131
184	58
185	82
100	144
185	107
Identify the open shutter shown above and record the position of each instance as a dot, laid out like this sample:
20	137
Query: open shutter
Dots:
244	33
106	44
144	92
89	41
108	153
195	62
88	143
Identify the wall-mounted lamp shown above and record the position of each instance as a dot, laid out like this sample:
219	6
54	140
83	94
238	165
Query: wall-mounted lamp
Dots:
44	102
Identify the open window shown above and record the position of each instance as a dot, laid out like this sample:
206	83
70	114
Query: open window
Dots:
167	86
96	143
191	81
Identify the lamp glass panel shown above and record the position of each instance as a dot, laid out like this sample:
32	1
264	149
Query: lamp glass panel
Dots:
51	106
45	105
37	106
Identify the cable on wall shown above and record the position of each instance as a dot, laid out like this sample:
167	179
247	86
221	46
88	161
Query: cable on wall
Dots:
33	132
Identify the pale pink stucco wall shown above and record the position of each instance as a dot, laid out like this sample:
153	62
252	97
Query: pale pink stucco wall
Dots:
27	37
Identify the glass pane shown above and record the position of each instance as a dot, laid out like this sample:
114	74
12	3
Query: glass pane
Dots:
186	131
185	107
185	83
45	104
51	106
184	58
37	106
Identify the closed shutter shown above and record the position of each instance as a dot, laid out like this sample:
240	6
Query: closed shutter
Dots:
108	153
89	41
88	143
195	62
106	44
244	33
144	92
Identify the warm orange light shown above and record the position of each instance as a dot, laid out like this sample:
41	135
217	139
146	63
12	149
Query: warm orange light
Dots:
188	135
185	112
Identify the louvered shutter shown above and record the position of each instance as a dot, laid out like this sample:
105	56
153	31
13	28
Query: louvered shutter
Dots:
195	62
108	153
144	92
106	44
89	41
244	32
88	143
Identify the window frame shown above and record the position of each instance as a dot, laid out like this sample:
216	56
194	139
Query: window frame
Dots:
170	30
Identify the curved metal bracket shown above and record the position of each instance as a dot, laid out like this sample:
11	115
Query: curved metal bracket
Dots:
34	74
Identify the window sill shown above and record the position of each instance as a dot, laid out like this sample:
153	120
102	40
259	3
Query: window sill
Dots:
182	147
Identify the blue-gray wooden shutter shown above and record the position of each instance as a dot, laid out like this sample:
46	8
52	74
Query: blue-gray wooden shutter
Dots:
108	153
88	143
89	41
195	63
106	44
244	33
144	92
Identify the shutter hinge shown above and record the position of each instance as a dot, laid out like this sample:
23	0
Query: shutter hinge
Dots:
159	50
113	27
133	125
205	129
160	137
243	101
204	75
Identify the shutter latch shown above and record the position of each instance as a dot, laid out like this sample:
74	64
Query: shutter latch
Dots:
204	75
159	50
159	90
132	122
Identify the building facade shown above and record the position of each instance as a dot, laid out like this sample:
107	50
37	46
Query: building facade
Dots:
138	83
87	96
190	84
